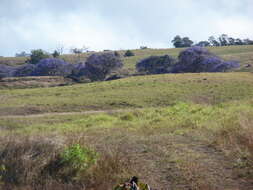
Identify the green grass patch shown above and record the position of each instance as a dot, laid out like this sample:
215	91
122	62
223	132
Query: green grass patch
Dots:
129	93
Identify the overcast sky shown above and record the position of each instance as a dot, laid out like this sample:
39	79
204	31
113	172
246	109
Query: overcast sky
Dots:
117	24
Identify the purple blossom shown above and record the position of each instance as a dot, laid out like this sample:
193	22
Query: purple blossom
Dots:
156	64
24	70
198	59
52	67
6	71
99	66
79	69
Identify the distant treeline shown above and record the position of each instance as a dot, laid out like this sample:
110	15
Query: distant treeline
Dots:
222	40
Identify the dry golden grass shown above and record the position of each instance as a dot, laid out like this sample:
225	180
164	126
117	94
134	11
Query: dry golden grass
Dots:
32	163
186	146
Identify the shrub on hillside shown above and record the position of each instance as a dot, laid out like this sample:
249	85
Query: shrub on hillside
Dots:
78	69
74	160
37	55
6	71
24	70
129	53
78	157
79	73
99	66
52	67
116	53
197	59
156	64
143	47
179	42
55	54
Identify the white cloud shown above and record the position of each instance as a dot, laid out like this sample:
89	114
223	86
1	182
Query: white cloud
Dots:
236	26
114	24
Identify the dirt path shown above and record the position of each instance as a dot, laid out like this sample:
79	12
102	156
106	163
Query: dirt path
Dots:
169	161
180	162
202	166
64	113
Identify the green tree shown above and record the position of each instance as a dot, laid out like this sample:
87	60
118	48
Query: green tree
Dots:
129	53
55	54
177	41
224	40
37	55
212	40
187	42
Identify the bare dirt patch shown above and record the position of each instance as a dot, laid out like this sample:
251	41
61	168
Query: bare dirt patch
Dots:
33	82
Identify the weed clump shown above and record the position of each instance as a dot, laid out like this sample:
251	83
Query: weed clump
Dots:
79	158
127	117
129	53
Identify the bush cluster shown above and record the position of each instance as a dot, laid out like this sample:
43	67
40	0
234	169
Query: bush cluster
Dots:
155	64
97	67
222	40
191	60
6	71
78	158
129	53
52	67
179	42
37	55
197	59
24	70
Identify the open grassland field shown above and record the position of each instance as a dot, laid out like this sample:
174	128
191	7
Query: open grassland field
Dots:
129	93
185	146
243	54
174	131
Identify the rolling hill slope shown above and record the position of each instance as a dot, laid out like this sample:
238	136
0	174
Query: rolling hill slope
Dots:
174	131
133	92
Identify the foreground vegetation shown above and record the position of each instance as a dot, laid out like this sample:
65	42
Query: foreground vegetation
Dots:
179	147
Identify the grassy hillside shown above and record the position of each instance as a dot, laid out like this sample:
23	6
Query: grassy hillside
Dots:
174	131
133	92
244	54
185	146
